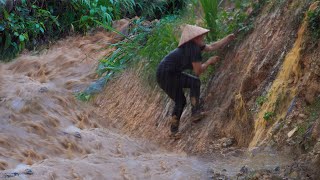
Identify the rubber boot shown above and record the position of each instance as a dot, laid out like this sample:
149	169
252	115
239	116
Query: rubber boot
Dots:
196	111
174	128
174	125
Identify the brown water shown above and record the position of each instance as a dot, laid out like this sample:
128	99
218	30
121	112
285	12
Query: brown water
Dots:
44	128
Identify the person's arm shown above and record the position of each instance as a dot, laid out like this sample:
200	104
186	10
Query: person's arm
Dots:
219	44
199	68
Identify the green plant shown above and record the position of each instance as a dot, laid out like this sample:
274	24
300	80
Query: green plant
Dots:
260	100
268	116
145	43
210	8
29	24
232	22
126	50
160	42
19	27
314	23
302	128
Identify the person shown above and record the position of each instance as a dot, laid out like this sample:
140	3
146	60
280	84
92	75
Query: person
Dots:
171	78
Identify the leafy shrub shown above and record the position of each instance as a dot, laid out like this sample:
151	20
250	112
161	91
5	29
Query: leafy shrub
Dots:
314	23
268	116
260	100
156	9
18	28
30	23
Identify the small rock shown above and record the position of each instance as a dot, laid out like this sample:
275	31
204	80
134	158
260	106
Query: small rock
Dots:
228	142
43	90
290	134
28	172
77	135
244	170
303	116
277	169
10	175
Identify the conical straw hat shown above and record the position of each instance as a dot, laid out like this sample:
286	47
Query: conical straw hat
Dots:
189	32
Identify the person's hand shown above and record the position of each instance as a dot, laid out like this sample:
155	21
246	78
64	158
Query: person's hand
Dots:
231	37
213	60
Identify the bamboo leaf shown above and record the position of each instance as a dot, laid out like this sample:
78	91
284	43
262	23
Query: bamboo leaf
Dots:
21	38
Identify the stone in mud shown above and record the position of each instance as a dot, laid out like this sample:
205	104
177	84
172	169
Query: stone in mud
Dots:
77	135
10	175
302	116
43	90
244	170
28	172
228	142
291	133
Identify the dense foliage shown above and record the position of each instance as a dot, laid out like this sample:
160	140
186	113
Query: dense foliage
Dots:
30	23
314	23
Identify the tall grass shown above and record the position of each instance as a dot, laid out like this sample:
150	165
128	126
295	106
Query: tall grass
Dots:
210	8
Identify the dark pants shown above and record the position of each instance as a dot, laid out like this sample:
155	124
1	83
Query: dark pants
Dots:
173	84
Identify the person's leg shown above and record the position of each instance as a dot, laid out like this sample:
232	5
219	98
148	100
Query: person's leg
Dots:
192	82
172	87
180	103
